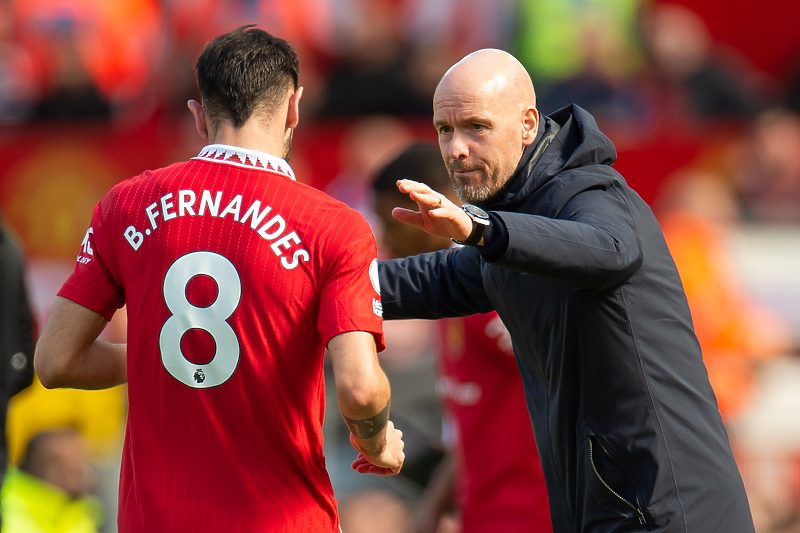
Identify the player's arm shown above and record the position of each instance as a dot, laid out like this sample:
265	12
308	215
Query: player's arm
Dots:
69	355
364	396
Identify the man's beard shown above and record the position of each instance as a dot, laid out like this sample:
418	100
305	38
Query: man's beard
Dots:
287	147
469	193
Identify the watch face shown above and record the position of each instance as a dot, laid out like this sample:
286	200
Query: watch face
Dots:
476	211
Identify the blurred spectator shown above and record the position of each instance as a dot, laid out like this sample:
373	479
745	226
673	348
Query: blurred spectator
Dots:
16	334
99	415
70	93
689	77
17	88
695	211
113	48
372	73
581	52
765	167
460	26
50	493
366	145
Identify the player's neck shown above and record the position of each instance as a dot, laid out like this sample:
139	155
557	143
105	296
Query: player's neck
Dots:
252	136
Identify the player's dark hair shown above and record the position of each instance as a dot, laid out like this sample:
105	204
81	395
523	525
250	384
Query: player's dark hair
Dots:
420	162
245	70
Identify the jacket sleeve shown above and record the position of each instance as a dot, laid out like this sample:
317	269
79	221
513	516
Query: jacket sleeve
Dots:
434	285
592	245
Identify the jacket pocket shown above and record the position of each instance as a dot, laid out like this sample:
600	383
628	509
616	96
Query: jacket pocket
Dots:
613	477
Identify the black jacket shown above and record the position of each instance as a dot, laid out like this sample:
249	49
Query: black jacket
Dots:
627	425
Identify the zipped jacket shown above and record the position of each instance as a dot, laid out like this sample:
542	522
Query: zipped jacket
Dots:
626	422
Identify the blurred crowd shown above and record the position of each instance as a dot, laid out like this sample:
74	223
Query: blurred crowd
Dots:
639	66
649	71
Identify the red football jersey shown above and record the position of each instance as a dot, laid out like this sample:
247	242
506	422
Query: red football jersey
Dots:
500	484
235	278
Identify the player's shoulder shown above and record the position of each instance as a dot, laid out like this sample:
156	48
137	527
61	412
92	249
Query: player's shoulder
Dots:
145	178
331	211
137	184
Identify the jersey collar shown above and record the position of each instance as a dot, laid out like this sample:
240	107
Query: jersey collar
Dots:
222	153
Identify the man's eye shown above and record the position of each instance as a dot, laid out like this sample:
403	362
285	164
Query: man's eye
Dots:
445	129
477	126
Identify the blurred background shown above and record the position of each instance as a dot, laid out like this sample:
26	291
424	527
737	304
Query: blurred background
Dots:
701	99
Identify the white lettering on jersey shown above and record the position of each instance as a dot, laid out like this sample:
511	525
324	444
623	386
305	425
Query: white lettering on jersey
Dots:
186	200
213	208
233	207
86	247
134	237
284	242
166	206
152	215
295	259
276	220
256	217
210	202
377	307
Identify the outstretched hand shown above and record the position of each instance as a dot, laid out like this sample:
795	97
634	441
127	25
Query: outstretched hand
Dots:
437	215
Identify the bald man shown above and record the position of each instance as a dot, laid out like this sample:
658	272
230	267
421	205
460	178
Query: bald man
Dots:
573	261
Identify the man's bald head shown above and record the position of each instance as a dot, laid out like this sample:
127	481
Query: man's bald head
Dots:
484	109
493	72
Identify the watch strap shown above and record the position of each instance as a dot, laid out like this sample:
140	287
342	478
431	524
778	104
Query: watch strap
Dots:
478	229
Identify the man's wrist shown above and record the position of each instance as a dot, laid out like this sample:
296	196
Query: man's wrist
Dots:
480	222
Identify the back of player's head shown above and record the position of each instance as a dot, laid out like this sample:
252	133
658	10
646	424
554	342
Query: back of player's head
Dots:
245	71
420	162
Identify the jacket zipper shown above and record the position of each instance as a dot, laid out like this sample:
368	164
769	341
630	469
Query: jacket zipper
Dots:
637	507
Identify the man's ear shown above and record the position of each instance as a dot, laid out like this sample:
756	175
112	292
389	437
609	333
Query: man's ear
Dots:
199	117
530	126
293	114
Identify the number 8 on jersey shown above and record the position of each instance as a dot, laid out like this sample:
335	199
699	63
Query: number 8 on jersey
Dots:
212	319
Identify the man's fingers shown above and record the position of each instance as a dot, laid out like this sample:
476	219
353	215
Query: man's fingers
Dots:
408	186
408	216
429	200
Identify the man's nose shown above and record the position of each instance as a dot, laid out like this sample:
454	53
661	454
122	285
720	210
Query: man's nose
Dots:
459	148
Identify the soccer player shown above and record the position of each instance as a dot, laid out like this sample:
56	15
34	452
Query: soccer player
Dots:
235	278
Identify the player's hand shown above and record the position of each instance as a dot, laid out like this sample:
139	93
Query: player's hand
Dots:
388	462
437	215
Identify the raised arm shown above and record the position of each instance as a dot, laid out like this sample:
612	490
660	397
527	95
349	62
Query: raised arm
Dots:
434	285
363	394
69	355
591	245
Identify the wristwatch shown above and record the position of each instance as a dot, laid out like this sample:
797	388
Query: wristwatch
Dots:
480	221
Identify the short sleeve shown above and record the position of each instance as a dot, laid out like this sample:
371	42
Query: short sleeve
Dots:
350	299
92	284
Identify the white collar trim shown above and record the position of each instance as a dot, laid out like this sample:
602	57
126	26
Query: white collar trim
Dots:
222	153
